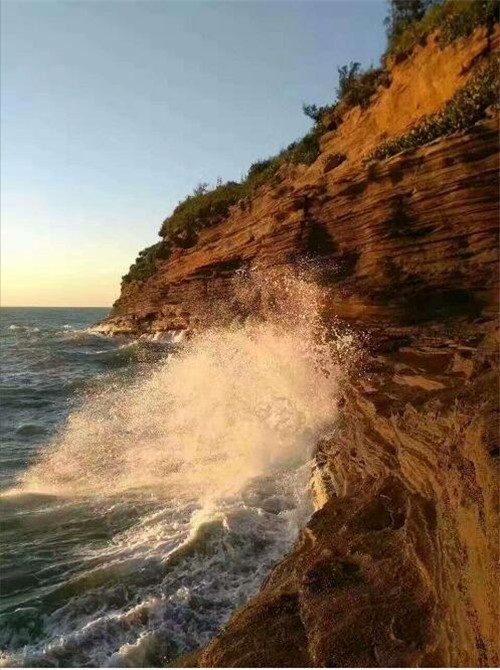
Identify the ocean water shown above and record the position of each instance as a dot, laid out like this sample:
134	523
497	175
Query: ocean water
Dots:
146	491
46	359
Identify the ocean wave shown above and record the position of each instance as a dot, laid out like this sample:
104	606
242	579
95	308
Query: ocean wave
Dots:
164	585
175	489
30	429
72	333
24	329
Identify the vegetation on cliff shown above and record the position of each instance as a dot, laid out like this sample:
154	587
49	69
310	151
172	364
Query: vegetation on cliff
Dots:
409	23
355	88
145	263
205	207
466	107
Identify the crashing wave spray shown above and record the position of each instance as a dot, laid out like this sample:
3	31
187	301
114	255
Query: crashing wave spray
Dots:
236	403
201	463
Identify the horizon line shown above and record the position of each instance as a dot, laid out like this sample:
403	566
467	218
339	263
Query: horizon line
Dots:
56	306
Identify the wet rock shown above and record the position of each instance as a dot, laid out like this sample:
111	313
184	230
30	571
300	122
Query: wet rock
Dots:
399	567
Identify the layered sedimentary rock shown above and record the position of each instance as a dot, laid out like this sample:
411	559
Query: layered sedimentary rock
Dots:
399	565
415	227
409	238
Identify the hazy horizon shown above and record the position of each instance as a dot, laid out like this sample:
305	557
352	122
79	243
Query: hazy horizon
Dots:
55	307
113	111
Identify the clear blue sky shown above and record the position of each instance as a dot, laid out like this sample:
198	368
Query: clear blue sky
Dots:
113	111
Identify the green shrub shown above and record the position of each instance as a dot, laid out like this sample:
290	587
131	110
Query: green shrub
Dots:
199	210
357	87
403	14
259	167
408	24
466	108
313	112
353	89
467	16
260	173
325	118
303	152
348	74
202	188
453	19
206	207
145	263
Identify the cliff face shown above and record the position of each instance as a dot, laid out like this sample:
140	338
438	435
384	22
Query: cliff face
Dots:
409	239
399	565
420	225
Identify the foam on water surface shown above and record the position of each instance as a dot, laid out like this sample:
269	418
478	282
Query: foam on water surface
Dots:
168	497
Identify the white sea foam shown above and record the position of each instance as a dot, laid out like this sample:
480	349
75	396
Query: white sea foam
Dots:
169	336
25	329
236	403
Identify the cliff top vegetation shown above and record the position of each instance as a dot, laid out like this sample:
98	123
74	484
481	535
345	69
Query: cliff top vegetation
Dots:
408	24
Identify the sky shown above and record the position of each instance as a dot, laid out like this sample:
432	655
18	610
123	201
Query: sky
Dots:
112	111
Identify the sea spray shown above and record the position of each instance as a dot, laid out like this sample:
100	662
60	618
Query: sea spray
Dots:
192	479
235	403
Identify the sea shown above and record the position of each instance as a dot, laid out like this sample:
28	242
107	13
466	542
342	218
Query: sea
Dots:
146	490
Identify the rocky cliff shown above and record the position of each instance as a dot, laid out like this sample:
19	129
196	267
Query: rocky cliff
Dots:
421	225
399	565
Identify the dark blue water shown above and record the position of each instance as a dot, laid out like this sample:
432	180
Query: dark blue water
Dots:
47	357
50	363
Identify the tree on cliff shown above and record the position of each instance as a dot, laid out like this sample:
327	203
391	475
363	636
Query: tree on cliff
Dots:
402	13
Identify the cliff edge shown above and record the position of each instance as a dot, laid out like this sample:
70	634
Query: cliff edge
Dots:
399	564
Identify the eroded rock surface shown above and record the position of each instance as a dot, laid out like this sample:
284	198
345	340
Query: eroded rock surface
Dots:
410	239
399	567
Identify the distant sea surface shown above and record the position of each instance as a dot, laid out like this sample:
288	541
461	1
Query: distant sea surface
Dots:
47	358
144	494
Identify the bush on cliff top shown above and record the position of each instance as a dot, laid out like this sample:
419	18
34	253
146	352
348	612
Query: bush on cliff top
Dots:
408	24
403	16
466	108
356	87
207	207
452	18
199	210
145	263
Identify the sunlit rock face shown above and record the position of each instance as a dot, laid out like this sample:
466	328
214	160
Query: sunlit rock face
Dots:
399	564
409	240
420	226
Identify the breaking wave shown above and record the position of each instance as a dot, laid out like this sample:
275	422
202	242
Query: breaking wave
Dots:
171	495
